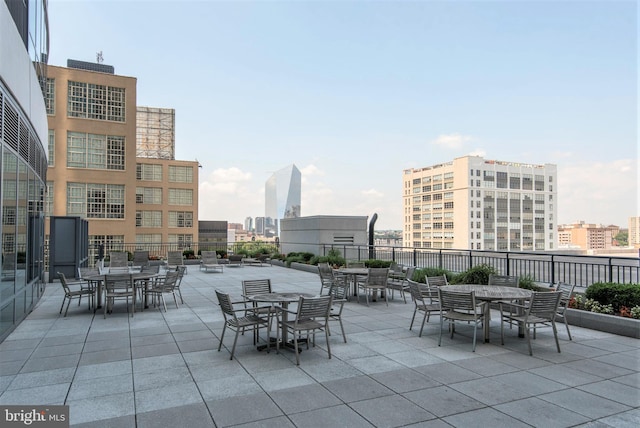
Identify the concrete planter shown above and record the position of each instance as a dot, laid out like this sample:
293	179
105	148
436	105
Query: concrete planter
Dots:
602	322
305	267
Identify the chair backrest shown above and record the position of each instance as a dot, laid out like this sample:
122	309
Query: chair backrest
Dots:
408	273
314	307
326	273
63	281
225	304
566	290
174	258
544	304
170	281
464	301
436	281
378	277
120	270
503	280
251	287
119	283
416	289
118	259
355	264
140	258
395	268
209	257
339	290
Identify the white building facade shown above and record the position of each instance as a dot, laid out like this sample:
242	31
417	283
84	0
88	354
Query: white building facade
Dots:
478	204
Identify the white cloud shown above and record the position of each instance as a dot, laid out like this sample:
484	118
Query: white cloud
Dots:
230	194
372	193
451	141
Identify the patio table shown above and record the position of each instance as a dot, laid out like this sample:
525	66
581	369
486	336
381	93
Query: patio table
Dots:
283	299
353	274
490	293
133	277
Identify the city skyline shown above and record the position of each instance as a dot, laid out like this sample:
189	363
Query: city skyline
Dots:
356	92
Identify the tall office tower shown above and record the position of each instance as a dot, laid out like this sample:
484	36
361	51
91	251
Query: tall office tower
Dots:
634	232
93	169
282	197
155	132
248	224
24	47
260	226
478	204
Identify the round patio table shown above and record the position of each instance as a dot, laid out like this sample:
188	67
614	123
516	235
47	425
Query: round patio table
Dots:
491	293
133	277
283	299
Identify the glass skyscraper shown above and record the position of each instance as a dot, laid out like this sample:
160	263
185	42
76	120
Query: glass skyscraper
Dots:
282	198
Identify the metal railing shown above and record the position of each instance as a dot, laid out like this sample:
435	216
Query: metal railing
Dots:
542	267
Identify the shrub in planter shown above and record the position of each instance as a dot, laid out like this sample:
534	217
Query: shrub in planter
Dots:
476	275
375	263
189	254
616	295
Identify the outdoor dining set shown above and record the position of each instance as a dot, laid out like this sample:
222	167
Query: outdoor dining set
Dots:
299	316
124	281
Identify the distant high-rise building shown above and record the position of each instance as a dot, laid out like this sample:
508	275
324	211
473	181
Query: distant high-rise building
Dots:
478	204
282	197
248	224
260	226
634	232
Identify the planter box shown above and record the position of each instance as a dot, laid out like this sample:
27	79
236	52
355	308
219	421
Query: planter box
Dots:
602	322
305	267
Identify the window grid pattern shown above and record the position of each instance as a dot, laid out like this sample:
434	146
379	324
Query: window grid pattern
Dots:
148	218
51	149
95	200
91	101
50	96
180	197
48	200
95	151
180	174
180	219
149	195
180	238
148	172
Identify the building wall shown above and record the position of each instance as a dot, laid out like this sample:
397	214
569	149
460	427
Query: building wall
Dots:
23	159
634	232
473	203
309	233
148	185
586	236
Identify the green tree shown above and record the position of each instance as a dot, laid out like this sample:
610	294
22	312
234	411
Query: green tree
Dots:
622	238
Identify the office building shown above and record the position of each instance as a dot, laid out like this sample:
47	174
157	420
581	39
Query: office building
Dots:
634	232
248	224
213	234
585	236
24	48
93	169
282	197
478	204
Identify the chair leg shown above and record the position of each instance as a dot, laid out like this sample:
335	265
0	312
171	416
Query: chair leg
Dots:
235	340
566	324
413	318
64	299
555	334
295	346
224	328
422	326
326	335
344	336
527	334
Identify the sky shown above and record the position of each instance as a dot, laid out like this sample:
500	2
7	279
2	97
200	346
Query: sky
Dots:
355	92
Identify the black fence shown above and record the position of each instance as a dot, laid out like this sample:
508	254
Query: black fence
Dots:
542	267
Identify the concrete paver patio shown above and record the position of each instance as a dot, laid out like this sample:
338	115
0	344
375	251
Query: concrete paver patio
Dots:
162	369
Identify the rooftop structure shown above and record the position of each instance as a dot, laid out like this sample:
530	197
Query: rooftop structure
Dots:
282	197
155	132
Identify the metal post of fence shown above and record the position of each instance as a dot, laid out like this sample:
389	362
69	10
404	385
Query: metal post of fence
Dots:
553	270
508	265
